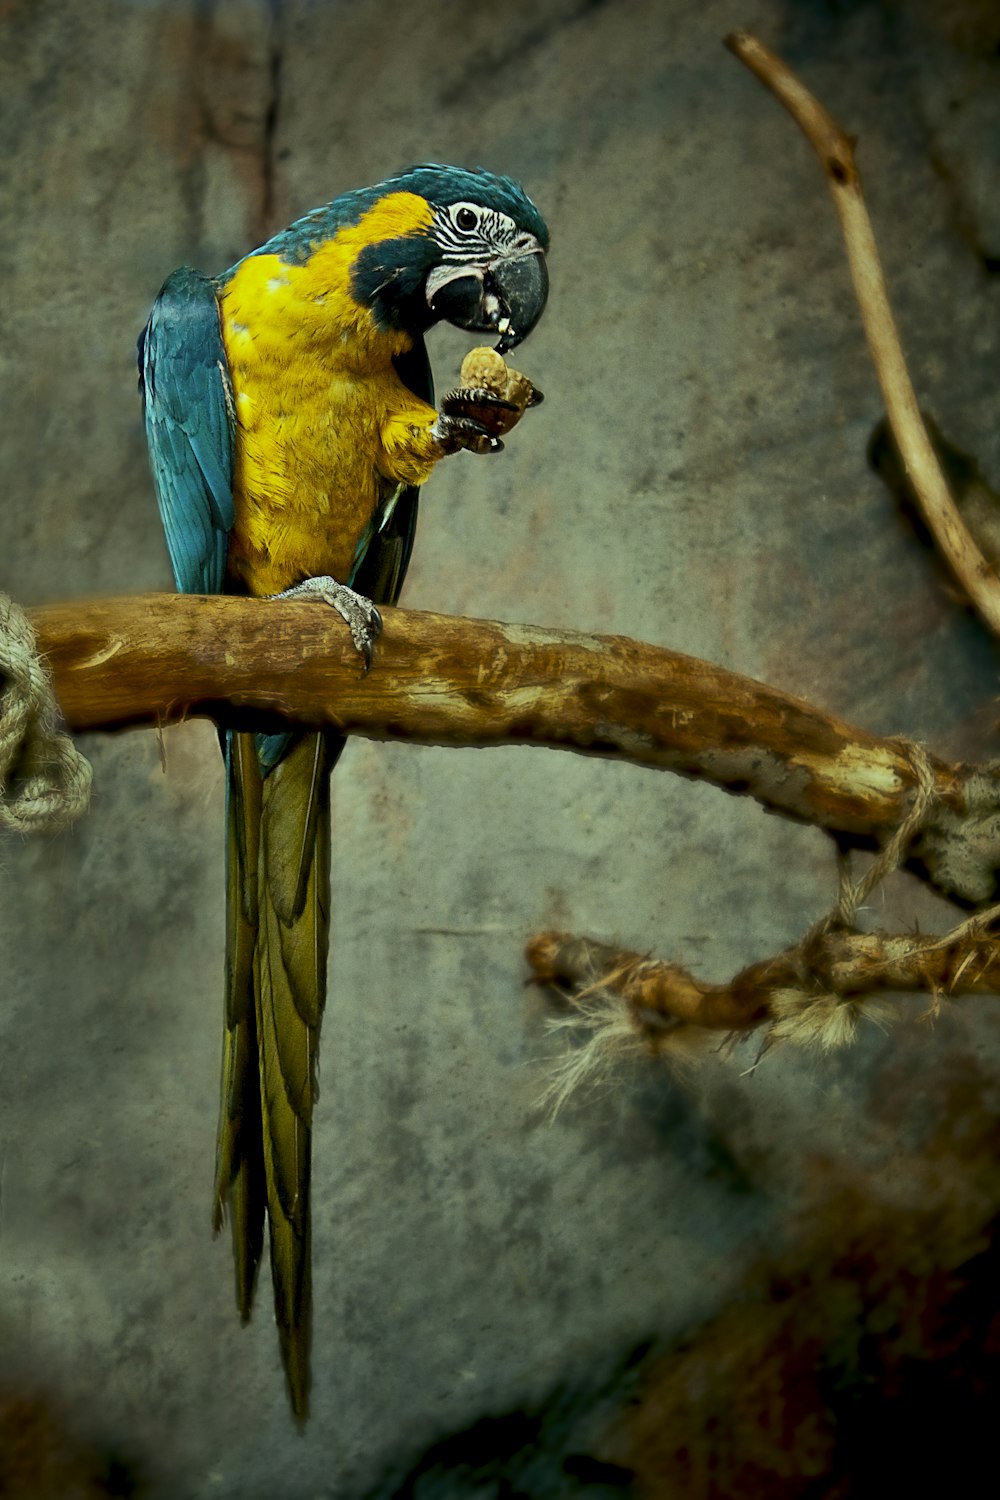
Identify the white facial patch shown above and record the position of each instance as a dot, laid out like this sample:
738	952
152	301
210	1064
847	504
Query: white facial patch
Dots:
471	233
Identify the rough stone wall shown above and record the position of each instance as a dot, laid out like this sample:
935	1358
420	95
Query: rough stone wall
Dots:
697	477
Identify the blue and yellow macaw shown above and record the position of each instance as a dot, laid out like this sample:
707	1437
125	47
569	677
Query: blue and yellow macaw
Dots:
290	420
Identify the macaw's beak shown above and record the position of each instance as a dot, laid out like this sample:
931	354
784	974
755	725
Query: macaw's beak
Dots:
507	296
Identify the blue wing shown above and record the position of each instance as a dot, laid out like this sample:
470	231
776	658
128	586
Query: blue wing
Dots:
190	428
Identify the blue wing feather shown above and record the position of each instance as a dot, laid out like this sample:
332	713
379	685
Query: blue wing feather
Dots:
190	428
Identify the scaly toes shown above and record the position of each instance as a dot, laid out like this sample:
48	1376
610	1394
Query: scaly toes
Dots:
358	612
458	431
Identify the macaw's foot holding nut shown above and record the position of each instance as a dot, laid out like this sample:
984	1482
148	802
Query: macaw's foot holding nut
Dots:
498	395
491	399
359	613
455	430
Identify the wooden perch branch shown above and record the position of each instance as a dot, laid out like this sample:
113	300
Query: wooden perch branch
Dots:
835	150
442	680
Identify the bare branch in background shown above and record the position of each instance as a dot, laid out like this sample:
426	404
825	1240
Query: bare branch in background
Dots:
835	149
817	990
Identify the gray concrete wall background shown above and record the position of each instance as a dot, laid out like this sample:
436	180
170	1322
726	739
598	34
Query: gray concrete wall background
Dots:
695	478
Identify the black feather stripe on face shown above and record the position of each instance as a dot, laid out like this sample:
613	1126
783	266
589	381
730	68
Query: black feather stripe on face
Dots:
492	233
478	222
389	278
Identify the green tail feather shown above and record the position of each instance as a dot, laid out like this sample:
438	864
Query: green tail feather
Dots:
277	936
277	940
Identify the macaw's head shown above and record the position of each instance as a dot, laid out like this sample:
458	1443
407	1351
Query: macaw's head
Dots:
473	255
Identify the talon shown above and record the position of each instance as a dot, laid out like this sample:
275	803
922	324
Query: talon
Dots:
485	370
359	614
455	432
496	414
457	403
368	639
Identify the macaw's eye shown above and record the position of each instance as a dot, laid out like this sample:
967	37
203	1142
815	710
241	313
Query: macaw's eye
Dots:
466	218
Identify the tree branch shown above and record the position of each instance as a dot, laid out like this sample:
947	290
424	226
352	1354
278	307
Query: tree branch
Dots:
816	990
813	993
835	149
443	680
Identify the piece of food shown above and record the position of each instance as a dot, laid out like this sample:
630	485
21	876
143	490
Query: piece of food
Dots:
490	392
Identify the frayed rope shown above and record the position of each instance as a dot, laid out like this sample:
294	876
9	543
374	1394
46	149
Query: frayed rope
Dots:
609	1022
44	780
818	1017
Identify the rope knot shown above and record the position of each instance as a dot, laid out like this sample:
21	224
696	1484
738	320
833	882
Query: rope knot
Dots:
44	780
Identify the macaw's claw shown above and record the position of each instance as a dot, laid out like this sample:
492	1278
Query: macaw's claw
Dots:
358	612
490	411
491	399
485	370
455	430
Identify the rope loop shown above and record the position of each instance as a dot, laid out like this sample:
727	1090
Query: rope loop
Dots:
853	893
44	780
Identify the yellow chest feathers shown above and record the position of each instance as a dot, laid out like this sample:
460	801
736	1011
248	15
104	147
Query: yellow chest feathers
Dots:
316	395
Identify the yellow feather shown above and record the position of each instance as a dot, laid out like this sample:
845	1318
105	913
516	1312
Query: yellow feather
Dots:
326	428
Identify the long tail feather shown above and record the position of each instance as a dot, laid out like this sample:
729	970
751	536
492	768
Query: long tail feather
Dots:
278	934
239	1173
294	893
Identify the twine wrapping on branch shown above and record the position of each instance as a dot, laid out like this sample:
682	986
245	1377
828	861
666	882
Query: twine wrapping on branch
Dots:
811	994
816	1015
44	780
854	893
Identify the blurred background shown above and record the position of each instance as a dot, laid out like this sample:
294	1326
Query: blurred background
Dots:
775	1281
